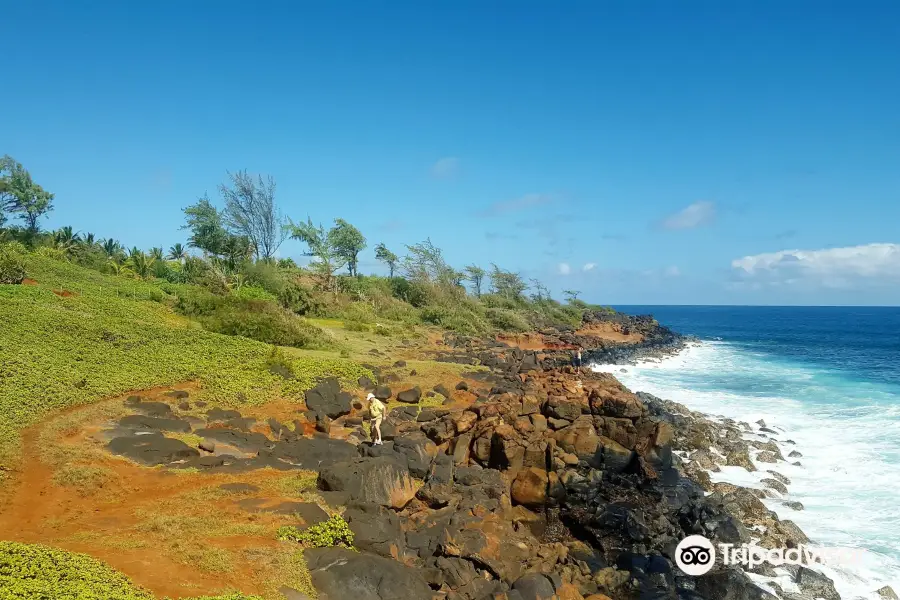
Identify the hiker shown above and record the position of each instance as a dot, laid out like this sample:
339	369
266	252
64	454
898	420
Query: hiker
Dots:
576	358
376	412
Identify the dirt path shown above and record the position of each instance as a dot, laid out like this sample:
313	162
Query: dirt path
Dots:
169	532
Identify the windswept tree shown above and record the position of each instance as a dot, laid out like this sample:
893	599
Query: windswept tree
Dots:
177	252
541	291
387	257
475	275
347	242
571	295
320	246
425	264
507	284
21	196
208	233
250	211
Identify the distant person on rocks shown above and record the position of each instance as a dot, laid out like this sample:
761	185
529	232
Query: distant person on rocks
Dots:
576	358
376	412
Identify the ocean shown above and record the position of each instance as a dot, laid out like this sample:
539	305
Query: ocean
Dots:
827	378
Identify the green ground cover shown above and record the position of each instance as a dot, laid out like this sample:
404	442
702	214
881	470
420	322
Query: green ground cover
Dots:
113	335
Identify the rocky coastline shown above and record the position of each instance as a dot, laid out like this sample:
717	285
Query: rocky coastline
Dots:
530	479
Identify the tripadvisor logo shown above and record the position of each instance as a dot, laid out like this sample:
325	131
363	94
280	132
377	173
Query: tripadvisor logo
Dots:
696	555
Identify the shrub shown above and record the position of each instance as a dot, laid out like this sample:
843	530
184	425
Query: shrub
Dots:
253	292
359	312
355	326
507	320
12	263
279	364
299	299
264	322
36	571
333	532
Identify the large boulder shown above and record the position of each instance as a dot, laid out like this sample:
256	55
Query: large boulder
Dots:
410	396
314	453
377	480
152	449
534	586
341	574
530	488
326	398
375	529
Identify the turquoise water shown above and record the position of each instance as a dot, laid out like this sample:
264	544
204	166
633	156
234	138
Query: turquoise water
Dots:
827	378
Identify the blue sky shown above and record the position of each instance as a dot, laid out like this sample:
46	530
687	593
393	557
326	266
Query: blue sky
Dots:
641	152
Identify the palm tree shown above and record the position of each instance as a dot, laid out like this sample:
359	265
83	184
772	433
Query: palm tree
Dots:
156	253
89	241
66	239
112	248
140	263
177	252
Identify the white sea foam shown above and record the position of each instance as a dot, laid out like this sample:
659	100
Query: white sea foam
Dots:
847	431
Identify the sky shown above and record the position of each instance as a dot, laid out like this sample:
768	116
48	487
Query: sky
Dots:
647	152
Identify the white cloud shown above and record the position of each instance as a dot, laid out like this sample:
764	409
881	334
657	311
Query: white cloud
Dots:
445	168
697	214
564	269
588	267
672	271
849	267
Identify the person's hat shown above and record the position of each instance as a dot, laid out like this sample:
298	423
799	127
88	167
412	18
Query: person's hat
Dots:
371	396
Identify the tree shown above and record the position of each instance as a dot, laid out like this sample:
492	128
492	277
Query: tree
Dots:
387	257
425	263
19	194
205	223
66	239
140	263
347	242
541	291
250	211
112	248
177	252
507	284
89	241
475	274
319	246
208	234
571	295
156	253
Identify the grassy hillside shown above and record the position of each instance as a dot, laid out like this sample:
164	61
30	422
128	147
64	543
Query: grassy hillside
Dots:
76	336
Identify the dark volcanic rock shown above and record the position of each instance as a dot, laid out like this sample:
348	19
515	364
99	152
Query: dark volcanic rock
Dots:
154	409
410	396
341	574
382	392
152	449
326	398
314	453
218	414
379	481
248	442
375	529
534	586
156	423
